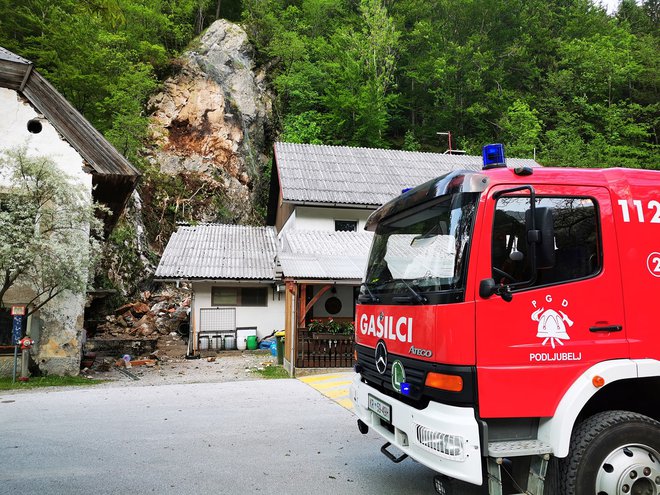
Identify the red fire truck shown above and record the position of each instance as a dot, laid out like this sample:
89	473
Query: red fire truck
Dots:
506	330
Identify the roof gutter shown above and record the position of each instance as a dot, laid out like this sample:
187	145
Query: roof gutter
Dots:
238	281
324	281
332	205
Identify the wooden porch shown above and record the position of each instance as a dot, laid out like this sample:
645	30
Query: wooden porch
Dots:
308	349
314	350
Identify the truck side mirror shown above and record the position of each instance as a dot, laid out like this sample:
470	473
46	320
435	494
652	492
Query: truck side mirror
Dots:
488	287
541	232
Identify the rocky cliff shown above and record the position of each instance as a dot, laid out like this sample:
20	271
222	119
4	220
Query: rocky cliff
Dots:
209	123
209	145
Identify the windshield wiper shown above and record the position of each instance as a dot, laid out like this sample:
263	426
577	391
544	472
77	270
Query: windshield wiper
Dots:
416	296
367	299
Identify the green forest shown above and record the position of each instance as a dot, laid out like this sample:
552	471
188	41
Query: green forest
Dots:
558	80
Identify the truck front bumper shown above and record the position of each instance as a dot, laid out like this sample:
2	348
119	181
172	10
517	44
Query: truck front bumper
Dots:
443	438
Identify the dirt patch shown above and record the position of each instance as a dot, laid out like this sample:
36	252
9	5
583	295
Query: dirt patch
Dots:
168	365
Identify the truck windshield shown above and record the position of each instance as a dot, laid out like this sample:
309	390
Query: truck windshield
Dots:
418	254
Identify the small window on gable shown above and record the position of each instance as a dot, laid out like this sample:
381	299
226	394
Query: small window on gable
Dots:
243	296
346	225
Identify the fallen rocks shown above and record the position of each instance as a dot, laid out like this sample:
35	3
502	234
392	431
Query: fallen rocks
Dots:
153	315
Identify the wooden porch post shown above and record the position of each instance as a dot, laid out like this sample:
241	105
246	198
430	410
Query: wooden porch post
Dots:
290	333
308	306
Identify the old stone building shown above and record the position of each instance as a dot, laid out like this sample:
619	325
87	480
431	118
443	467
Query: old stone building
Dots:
37	118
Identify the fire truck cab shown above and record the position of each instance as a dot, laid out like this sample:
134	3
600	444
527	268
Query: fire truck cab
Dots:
506	335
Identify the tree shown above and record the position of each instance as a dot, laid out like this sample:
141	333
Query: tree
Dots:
48	229
521	129
360	91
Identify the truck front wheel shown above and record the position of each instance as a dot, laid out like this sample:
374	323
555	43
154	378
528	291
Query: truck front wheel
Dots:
613	453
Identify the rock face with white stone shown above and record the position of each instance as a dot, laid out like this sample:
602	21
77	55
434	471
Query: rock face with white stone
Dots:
211	119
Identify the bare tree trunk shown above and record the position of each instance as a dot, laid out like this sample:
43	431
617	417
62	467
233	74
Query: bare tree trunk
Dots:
217	10
199	21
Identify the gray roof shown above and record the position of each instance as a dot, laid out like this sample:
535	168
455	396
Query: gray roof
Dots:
345	176
12	57
324	254
216	251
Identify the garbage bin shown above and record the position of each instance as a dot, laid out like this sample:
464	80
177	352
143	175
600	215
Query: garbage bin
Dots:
279	336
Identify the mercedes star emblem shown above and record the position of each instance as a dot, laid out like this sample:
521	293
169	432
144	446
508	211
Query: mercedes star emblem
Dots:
381	357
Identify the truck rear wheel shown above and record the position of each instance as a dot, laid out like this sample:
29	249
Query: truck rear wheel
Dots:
613	453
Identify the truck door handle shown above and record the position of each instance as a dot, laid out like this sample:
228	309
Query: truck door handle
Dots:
610	328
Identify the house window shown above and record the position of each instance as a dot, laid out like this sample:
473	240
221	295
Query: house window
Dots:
235	296
346	225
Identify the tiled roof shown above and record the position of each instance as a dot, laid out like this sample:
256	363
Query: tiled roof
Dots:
341	175
215	251
324	254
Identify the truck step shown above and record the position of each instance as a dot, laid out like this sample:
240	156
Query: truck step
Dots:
518	448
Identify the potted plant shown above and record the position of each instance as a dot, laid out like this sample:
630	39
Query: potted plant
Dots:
331	329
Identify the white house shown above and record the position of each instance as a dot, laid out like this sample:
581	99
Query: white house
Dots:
320	199
36	117
234	283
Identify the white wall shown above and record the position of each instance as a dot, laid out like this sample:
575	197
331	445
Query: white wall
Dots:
344	293
16	113
316	218
267	319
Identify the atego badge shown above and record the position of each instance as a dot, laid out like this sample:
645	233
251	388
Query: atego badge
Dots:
381	357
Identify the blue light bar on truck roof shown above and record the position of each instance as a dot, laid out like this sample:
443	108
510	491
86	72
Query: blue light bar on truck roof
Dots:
493	156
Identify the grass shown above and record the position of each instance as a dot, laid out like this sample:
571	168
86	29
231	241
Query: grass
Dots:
47	381
272	372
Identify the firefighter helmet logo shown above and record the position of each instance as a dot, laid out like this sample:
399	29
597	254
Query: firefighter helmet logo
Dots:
552	324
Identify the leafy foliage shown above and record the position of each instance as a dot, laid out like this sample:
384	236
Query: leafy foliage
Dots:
47	229
562	81
331	326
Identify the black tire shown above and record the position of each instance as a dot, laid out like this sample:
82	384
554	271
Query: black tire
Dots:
611	449
551	485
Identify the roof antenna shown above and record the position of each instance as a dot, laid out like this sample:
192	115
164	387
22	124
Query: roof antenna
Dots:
450	151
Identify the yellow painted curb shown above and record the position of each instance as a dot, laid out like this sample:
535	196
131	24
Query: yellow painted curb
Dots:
319	378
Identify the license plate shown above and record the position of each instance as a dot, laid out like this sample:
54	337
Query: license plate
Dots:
382	409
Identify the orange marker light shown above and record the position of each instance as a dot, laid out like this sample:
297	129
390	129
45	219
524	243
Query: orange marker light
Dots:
598	381
452	383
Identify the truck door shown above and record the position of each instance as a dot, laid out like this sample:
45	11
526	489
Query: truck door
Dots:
531	348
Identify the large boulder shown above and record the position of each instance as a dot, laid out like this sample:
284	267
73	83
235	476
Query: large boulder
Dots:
211	117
